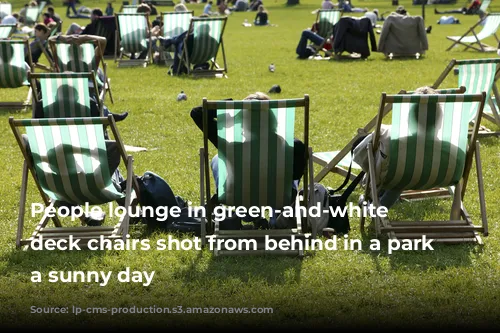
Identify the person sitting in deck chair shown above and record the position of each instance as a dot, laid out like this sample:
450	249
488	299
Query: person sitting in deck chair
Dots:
360	155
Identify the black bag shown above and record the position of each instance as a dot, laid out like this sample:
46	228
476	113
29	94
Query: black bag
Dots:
155	192
340	223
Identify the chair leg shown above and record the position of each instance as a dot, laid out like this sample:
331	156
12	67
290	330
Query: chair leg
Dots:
22	205
203	232
480	185
457	202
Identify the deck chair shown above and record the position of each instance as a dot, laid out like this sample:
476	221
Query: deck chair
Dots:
206	34
472	38
429	148
398	36
41	6
6	30
132	38
82	53
5	9
174	23
106	27
325	20
64	95
339	161
478	75
485	4
256	171
68	163
32	15
128	9
14	70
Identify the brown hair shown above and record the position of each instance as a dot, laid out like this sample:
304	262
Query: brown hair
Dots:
42	27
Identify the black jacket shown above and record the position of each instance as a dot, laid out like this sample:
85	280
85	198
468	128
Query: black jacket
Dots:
351	34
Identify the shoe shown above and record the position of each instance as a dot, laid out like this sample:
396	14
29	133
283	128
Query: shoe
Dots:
436	11
120	116
429	29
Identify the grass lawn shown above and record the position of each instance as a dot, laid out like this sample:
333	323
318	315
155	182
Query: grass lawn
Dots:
451	286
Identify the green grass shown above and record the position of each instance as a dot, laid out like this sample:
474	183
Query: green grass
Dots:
452	286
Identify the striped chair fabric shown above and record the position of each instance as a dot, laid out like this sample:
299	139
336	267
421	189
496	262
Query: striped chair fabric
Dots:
206	39
484	5
175	23
5	9
65	95
32	14
129	9
489	29
478	75
326	19
6	30
255	138
428	141
14	72
133	30
70	159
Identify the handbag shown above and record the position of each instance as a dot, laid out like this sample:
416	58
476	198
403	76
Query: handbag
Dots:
337	202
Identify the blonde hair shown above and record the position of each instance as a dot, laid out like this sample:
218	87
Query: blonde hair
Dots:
180	7
426	90
258	96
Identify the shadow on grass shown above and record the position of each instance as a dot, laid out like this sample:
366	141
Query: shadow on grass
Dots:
205	266
437	256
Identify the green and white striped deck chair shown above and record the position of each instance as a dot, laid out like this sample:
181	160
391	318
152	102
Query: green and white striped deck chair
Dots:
129	9
174	23
5	9
14	69
473	38
255	161
132	38
69	163
430	147
485	4
338	161
64	95
478	75
206	41
41	6
325	20
73	55
32	14
6	30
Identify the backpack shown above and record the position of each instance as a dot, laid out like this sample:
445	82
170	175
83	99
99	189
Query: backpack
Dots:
155	192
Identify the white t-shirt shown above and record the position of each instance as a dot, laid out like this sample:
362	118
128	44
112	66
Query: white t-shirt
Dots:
9	19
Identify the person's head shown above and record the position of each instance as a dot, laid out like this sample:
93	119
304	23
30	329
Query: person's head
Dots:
258	96
33	4
210	2
260	8
426	90
376	11
401	10
16	15
110	5
180	7
144	8
41	30
46	15
51	10
95	14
